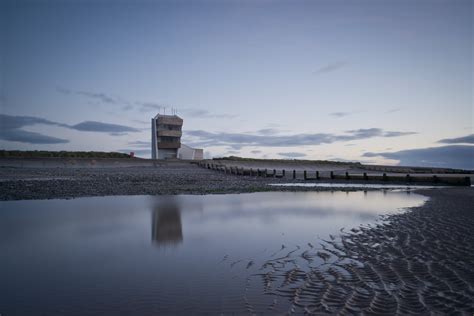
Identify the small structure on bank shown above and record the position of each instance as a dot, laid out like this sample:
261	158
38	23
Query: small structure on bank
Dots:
166	132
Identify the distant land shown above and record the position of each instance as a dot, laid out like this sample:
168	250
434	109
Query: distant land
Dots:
233	160
60	154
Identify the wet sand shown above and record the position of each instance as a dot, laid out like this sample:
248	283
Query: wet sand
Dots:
418	262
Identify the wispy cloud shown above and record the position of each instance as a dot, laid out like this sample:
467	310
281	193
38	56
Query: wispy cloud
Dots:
238	140
340	114
144	106
469	139
256	151
343	114
18	135
456	156
150	106
195	113
93	126
393	110
268	131
200	113
330	67
11	129
292	155
376	132
398	134
14	122
98	96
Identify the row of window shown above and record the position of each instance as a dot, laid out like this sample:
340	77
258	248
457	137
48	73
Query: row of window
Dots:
169	127
168	139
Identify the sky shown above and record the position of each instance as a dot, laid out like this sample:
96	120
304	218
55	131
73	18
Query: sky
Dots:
372	81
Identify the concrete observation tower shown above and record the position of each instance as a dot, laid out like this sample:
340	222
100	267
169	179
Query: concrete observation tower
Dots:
166	132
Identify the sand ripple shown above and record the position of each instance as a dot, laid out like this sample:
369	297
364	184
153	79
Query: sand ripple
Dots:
415	263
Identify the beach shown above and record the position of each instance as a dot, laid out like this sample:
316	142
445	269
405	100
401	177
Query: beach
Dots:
416	262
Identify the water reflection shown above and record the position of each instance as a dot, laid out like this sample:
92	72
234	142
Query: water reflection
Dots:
96	252
167	229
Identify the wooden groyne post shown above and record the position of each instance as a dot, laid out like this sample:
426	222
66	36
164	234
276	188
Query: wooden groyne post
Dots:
437	179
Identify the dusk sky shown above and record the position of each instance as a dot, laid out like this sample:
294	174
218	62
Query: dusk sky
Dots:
371	81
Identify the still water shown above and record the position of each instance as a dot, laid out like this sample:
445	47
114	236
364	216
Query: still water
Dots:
153	255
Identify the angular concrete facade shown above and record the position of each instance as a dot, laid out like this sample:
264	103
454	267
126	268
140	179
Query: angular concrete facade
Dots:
189	153
166	131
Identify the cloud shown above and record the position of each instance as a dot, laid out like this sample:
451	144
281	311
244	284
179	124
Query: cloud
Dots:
398	134
202	138
374	132
469	139
144	107
455	156
196	113
394	110
11	129
343	114
199	113
14	122
98	96
150	106
330	67
268	131
256	151
93	126
18	135
340	114
292	155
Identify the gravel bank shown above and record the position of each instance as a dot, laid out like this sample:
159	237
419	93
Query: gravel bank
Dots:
172	178
54	180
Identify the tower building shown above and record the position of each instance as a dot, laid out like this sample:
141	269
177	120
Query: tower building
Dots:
165	136
166	132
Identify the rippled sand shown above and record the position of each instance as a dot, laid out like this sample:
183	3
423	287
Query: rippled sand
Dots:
418	262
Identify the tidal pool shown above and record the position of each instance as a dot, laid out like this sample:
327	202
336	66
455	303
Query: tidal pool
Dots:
178	254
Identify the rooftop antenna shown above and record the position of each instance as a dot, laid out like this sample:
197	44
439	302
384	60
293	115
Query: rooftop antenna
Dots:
164	110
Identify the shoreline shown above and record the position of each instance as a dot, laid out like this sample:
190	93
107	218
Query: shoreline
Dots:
418	261
30	183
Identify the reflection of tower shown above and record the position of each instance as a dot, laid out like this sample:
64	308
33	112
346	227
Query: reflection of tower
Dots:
166	224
